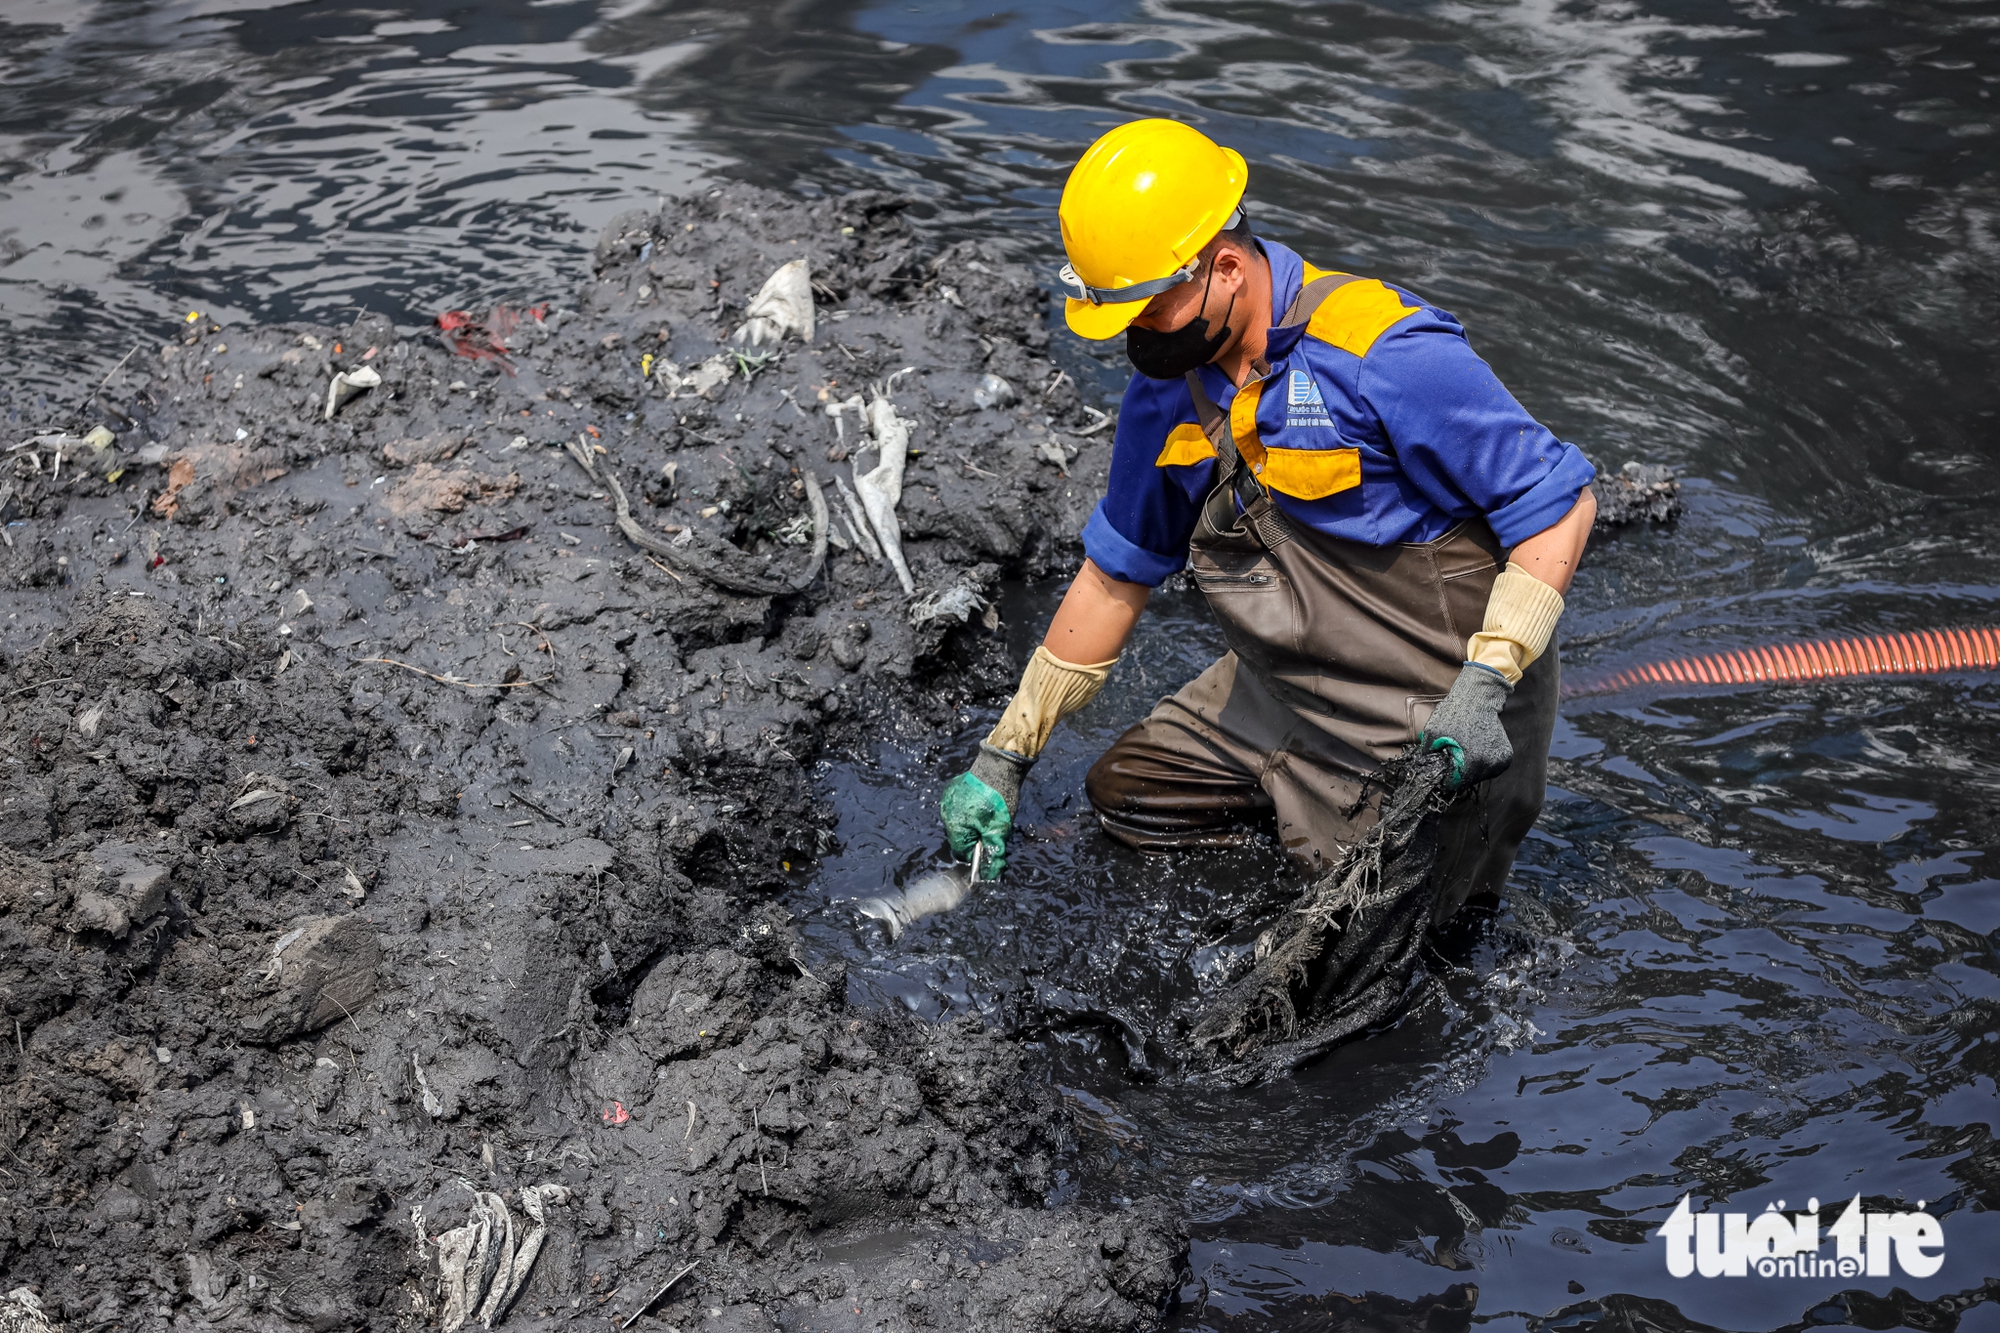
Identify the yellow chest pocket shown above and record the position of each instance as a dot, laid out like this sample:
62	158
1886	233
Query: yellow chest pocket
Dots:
1303	474
1310	474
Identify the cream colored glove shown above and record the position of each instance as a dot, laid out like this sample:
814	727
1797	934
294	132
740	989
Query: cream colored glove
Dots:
1051	689
1521	617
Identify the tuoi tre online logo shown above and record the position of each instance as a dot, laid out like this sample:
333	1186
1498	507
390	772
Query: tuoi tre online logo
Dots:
1780	1244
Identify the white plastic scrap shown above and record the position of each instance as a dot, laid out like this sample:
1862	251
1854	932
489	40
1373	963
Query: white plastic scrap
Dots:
347	383
277	950
21	1312
709	374
841	409
60	446
784	305
535	1200
499	1268
455	1249
252	798
483	1265
881	487
863	538
433	1104
958	601
938	891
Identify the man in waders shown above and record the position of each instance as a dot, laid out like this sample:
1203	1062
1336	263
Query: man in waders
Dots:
1384	534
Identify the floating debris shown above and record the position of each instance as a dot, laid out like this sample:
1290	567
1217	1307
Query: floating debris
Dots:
1637	493
927	895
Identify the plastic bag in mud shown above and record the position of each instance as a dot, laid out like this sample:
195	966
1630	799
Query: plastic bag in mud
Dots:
482	1265
783	306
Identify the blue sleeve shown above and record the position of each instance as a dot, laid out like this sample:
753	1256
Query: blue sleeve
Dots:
1462	439
1139	532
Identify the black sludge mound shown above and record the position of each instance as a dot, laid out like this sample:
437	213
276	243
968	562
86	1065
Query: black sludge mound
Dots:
388	843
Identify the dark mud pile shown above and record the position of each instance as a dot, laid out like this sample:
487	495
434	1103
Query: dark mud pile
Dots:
386	837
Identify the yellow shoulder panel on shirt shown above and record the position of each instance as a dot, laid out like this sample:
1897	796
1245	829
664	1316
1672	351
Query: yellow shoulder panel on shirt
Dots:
1356	313
1185	444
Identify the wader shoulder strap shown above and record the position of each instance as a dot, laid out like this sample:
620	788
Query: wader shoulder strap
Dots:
1214	421
1266	519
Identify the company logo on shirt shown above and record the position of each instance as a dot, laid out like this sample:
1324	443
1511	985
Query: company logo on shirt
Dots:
1776	1243
1303	405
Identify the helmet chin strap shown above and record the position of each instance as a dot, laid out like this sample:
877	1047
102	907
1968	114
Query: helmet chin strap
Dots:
1227	315
1235	336
1201	311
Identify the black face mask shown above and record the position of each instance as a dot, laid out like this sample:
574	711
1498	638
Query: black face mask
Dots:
1170	355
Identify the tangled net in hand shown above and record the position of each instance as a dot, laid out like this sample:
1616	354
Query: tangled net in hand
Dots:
1341	959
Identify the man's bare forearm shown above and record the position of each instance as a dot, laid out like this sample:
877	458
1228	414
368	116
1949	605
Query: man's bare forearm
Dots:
1096	617
1553	554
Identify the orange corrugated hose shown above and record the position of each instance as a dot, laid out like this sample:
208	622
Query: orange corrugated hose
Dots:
1911	653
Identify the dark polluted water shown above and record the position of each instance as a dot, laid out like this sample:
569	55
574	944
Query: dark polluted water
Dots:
1749	954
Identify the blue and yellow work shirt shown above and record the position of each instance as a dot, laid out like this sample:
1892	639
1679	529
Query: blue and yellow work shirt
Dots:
1378	424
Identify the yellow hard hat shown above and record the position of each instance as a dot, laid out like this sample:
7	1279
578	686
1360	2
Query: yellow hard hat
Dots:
1136	211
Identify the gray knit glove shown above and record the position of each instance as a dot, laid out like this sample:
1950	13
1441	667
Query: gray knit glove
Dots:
1002	770
1466	726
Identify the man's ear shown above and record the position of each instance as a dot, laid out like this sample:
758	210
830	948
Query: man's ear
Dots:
1229	265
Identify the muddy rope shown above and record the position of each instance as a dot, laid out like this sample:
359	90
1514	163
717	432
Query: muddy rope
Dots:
704	565
1342	958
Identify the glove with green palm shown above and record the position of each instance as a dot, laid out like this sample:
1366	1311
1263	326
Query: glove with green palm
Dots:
978	805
